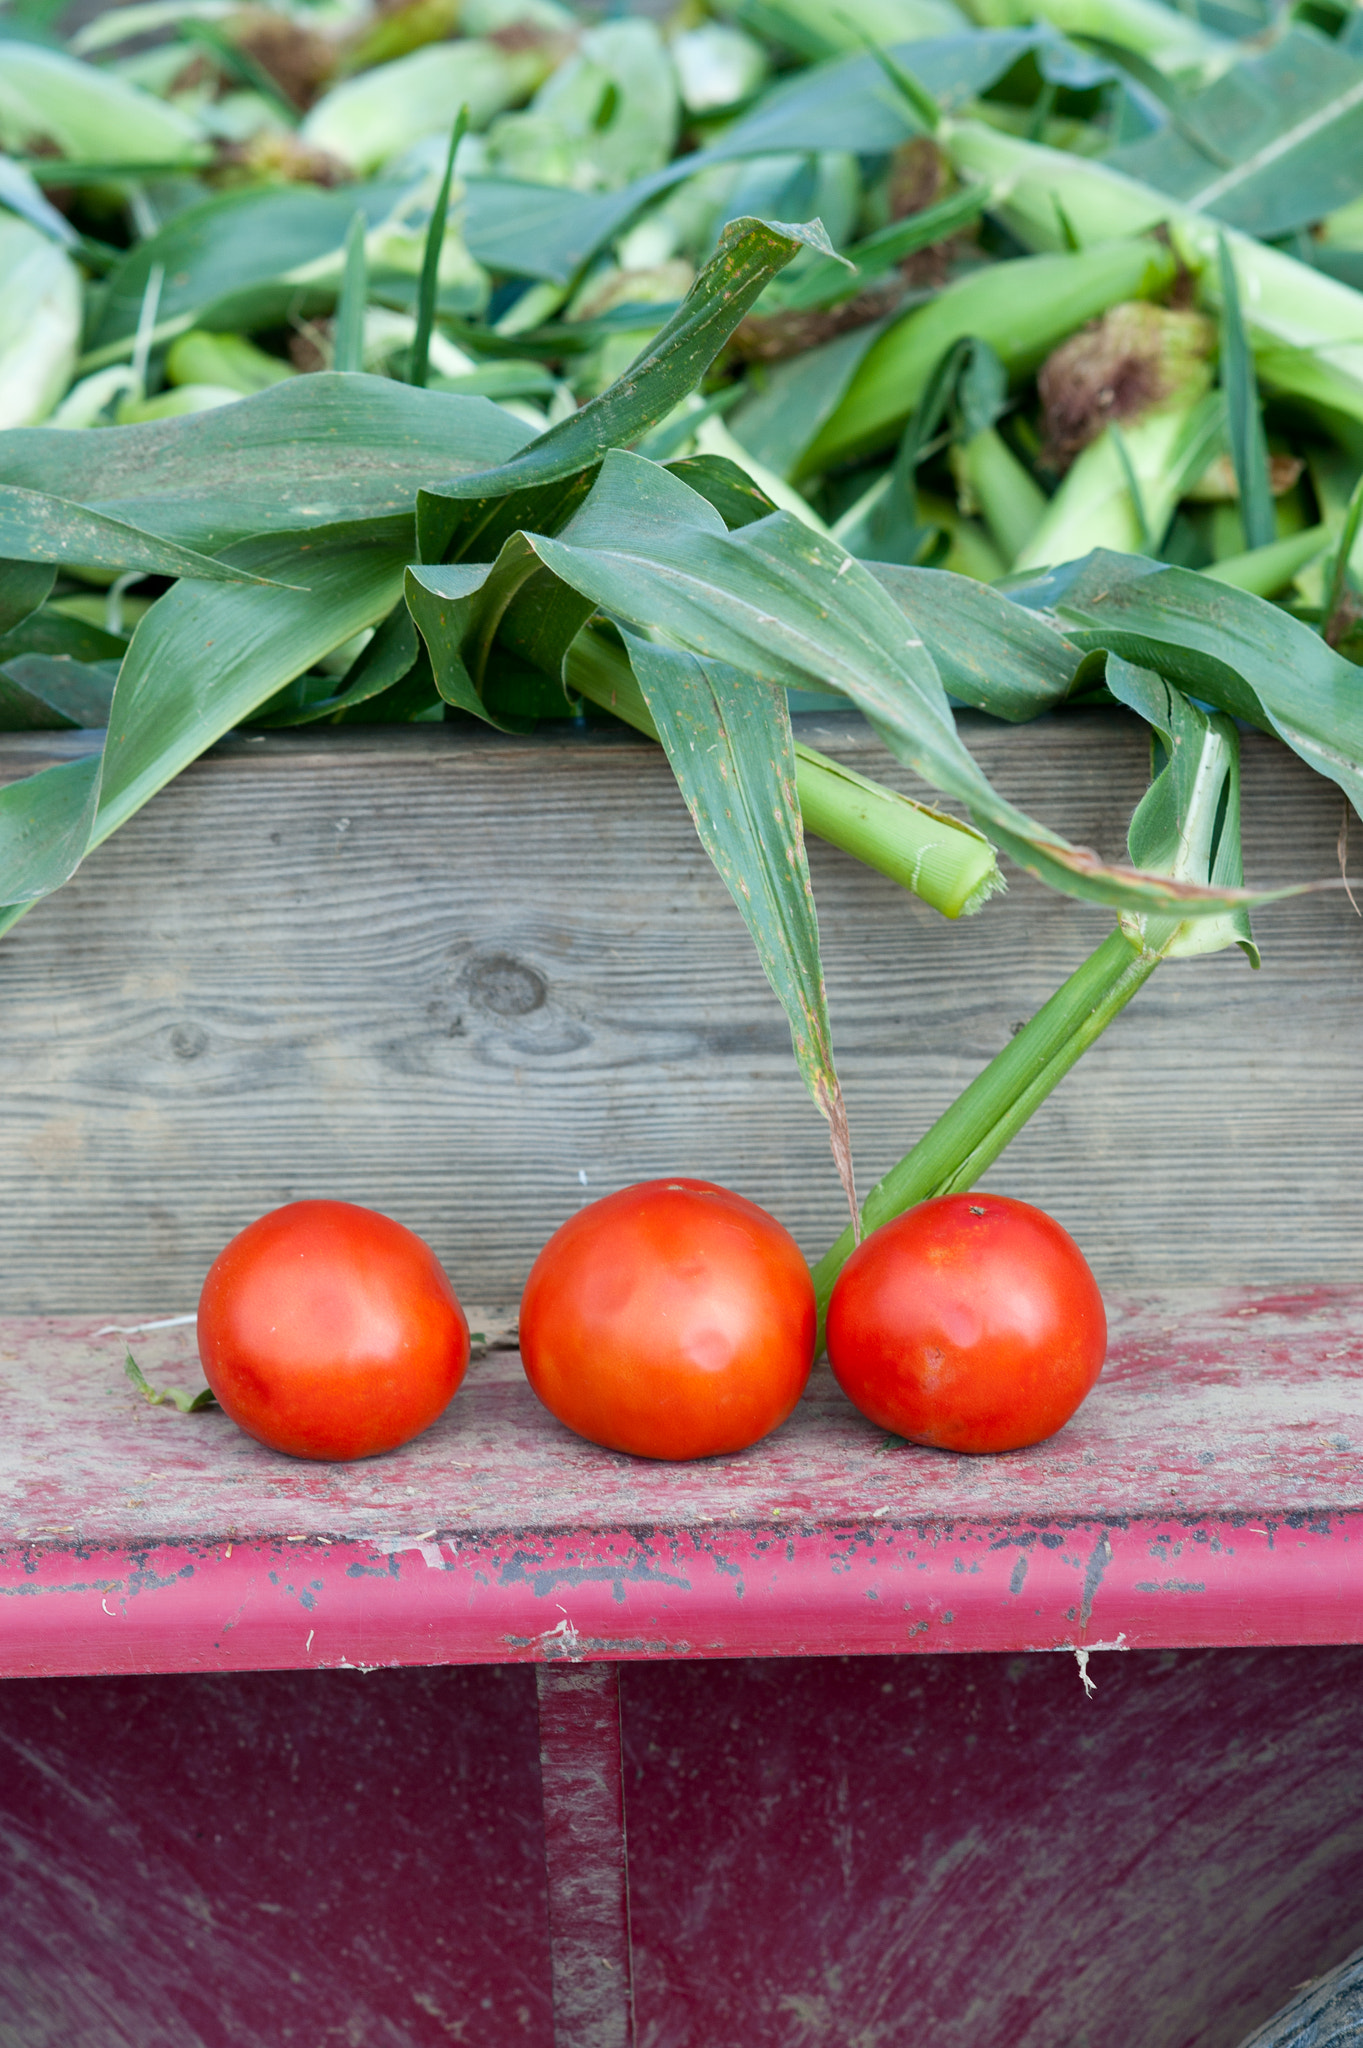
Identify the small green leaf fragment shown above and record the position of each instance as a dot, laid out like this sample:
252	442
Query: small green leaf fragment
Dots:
162	1397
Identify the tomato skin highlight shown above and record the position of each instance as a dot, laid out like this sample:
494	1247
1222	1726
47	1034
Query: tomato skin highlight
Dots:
971	1323
330	1331
672	1320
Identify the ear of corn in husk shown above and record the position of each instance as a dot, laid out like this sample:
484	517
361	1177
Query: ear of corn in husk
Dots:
46	96
40	321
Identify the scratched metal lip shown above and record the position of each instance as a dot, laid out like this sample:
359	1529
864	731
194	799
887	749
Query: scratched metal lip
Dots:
697	1593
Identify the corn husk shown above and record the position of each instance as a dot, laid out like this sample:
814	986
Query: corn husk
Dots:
40	320
1097	506
717	65
169	405
1173	42
1304	326
229	361
1022	309
366	120
813	28
607	116
90	115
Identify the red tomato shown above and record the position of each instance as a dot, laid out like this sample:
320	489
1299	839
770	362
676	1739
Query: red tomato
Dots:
971	1322
330	1331
673	1320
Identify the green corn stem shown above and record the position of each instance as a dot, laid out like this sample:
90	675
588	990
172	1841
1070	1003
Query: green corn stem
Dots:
1121	492
1009	499
967	1138
948	865
1265	571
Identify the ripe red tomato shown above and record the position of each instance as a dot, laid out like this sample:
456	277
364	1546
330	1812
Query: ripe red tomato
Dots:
673	1320
329	1331
971	1322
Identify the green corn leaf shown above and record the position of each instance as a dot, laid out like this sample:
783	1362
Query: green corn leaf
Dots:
1188	822
729	742
1337	582
732	492
942	860
789	606
889	530
173	699
548	232
429	284
45	825
168	1397
460	609
453	517
24	586
347	348
36	527
850	101
551	232
388	659
47	693
778	421
313	451
202	660
250	258
1244	414
1245	656
826	283
52	632
991	654
1270	147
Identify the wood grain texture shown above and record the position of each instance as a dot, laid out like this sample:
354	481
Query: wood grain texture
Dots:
477	982
584	1854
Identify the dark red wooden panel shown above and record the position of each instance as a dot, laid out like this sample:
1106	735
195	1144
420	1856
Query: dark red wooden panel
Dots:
291	1860
967	1852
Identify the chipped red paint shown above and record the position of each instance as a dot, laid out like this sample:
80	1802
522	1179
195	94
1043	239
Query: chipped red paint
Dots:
1209	1493
754	1593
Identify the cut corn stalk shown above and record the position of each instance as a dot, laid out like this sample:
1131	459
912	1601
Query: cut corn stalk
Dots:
948	864
1188	826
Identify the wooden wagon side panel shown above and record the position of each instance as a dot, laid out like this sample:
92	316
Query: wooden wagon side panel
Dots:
476	982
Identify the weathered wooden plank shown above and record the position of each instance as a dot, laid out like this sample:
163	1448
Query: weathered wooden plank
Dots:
476	982
1209	1491
584	1855
1327	2013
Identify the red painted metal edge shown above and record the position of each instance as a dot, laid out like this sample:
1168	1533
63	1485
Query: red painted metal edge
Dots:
582	1775
767	1592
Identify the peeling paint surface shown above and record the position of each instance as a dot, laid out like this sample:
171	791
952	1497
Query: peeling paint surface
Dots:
1209	1492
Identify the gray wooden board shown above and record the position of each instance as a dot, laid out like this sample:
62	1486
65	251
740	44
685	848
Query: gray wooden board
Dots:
477	981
